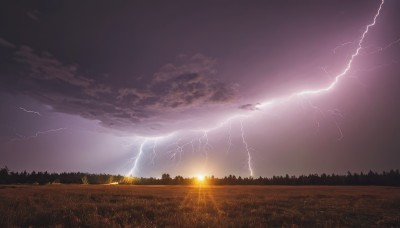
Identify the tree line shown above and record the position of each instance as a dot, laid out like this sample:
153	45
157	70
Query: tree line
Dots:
387	178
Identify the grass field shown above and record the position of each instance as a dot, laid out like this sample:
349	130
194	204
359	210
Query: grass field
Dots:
194	206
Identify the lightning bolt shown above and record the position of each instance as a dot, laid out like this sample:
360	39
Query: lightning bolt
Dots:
246	146
30	111
37	134
136	161
348	67
154	151
337	113
340	46
139	154
337	77
340	132
179	149
206	147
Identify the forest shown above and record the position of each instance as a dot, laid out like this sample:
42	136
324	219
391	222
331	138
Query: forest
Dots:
386	178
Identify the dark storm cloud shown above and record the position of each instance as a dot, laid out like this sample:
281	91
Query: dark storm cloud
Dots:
46	67
189	84
192	83
250	107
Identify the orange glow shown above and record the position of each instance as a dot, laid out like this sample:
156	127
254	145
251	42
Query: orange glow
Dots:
200	178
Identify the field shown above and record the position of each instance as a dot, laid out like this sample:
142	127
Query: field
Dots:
199	206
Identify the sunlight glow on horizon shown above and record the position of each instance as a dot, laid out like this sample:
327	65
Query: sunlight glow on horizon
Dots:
200	178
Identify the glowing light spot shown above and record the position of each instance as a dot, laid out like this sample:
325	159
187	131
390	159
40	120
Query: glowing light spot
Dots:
200	178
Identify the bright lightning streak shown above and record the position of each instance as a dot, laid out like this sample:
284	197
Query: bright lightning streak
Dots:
30	111
154	151
337	77
141	151
348	67
223	123
247	149
135	163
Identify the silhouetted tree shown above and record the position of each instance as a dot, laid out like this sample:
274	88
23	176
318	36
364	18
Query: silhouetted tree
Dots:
166	179
4	175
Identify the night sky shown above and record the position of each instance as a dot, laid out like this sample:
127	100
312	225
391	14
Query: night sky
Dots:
199	87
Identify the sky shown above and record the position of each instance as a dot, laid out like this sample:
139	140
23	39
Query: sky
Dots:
249	88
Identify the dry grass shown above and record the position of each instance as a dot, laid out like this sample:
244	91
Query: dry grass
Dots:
192	206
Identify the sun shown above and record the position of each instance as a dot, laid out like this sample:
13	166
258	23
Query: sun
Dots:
200	178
